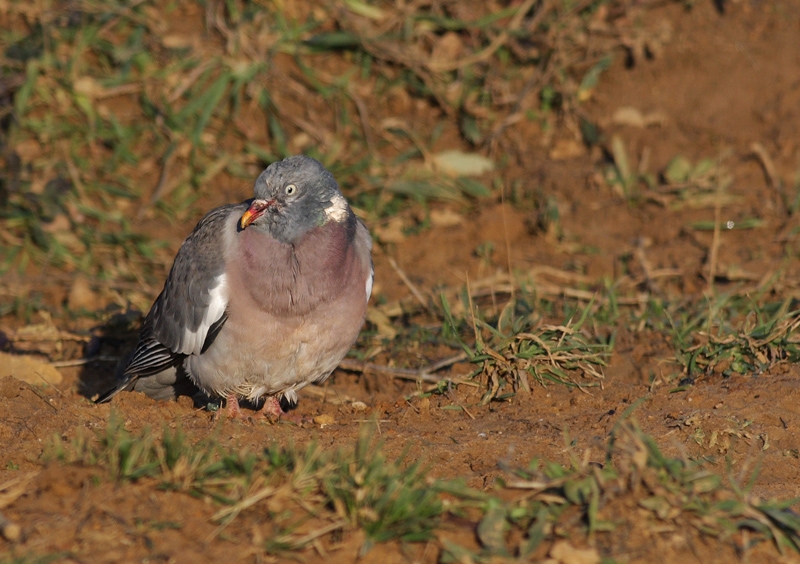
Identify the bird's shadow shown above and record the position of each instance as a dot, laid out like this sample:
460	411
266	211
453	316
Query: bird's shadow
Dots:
108	352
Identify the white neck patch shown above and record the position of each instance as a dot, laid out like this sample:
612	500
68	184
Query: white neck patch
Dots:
337	211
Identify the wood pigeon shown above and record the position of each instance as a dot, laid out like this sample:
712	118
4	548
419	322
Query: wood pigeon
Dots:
264	297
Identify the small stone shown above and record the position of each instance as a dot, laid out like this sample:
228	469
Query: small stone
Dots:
12	532
324	419
446	218
565	553
566	149
448	48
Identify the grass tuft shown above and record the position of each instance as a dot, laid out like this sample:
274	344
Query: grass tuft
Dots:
516	345
733	335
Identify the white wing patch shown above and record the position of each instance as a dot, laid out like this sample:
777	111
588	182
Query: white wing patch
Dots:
337	211
370	279
193	341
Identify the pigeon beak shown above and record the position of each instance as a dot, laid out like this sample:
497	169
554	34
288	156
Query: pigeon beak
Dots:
256	210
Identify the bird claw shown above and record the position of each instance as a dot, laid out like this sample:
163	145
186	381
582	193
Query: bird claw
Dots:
232	407
271	409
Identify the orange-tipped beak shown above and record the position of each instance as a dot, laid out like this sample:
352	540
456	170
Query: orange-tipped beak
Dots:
256	210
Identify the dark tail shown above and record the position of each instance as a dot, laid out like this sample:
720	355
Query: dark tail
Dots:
123	385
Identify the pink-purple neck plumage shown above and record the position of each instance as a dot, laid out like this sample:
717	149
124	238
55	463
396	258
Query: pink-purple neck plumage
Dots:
293	278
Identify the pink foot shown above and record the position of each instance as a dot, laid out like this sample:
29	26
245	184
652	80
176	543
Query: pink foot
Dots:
273	411
272	408
232	404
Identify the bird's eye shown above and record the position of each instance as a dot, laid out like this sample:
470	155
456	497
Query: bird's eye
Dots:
291	189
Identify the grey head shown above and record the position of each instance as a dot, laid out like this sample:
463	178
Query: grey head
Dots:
294	196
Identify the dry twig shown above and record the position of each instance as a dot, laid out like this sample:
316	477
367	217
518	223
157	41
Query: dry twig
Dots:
421	375
770	172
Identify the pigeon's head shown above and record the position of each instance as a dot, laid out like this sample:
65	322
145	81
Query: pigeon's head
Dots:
293	196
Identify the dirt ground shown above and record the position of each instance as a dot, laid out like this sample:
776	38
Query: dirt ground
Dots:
719	83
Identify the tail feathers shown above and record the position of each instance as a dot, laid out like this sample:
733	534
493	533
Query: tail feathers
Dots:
165	385
126	384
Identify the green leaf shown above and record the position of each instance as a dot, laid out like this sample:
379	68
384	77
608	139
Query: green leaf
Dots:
211	98
591	78
473	187
24	93
678	170
492	528
458	164
334	40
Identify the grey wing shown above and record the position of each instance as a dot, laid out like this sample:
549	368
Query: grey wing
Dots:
363	245
190	311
